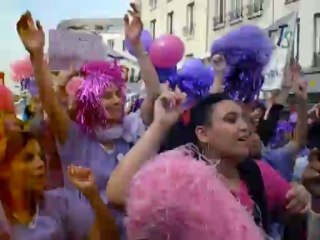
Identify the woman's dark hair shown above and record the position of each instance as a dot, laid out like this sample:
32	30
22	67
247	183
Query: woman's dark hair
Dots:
16	141
183	133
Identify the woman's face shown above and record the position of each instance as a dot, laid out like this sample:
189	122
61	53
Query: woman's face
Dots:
27	168
113	103
227	135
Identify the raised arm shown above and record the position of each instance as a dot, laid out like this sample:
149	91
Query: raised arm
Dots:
105	226
149	75
33	38
302	121
166	111
291	75
219	66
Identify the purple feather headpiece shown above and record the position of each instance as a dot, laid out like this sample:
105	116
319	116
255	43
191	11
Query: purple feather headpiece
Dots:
283	127
247	51
98	76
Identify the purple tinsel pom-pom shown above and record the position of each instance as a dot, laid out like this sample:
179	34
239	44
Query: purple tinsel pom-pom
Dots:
247	51
98	76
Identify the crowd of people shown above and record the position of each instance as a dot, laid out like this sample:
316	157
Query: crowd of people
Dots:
208	162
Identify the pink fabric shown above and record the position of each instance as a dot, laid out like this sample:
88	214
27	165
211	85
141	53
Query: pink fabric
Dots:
243	196
276	189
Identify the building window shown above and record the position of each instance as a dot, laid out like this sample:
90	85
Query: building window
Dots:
236	9
111	43
220	11
153	28
257	5
190	18
290	1
153	4
170	23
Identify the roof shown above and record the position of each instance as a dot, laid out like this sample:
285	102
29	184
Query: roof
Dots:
102	25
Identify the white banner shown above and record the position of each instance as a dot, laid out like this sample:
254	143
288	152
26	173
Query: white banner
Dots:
282	32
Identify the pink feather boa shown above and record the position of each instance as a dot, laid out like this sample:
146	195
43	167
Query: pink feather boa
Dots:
178	198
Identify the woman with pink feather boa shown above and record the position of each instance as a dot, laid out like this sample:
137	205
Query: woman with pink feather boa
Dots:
176	196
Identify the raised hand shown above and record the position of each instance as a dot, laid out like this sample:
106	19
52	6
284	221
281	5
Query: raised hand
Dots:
134	27
219	63
298	199
168	107
300	89
83	179
30	33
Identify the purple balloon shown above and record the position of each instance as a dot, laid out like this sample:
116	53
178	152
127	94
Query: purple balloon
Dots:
166	51
146	40
192	66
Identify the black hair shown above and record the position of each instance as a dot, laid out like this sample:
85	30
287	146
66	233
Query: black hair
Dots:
182	133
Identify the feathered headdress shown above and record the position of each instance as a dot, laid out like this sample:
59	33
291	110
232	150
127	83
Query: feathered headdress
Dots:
247	51
98	76
177	197
22	69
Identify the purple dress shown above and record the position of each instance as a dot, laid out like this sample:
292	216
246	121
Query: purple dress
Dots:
83	150
51	222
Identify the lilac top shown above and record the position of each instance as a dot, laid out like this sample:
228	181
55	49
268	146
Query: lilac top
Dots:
83	150
51	222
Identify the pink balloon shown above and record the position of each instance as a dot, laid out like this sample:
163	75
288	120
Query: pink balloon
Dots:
166	51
